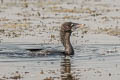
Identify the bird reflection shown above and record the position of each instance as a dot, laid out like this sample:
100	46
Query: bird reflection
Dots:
66	69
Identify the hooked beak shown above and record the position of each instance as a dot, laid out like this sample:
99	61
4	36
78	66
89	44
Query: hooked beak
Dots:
78	26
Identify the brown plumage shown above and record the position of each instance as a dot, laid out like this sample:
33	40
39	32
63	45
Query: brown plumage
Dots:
65	33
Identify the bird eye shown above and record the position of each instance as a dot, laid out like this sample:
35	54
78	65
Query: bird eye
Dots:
72	24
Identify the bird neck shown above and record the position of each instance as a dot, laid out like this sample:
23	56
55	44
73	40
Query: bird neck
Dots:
67	44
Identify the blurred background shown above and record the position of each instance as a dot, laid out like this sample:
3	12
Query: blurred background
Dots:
38	21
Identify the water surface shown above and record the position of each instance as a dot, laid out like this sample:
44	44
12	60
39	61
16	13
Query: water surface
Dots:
90	62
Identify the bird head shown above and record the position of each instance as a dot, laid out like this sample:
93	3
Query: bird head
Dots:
70	26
